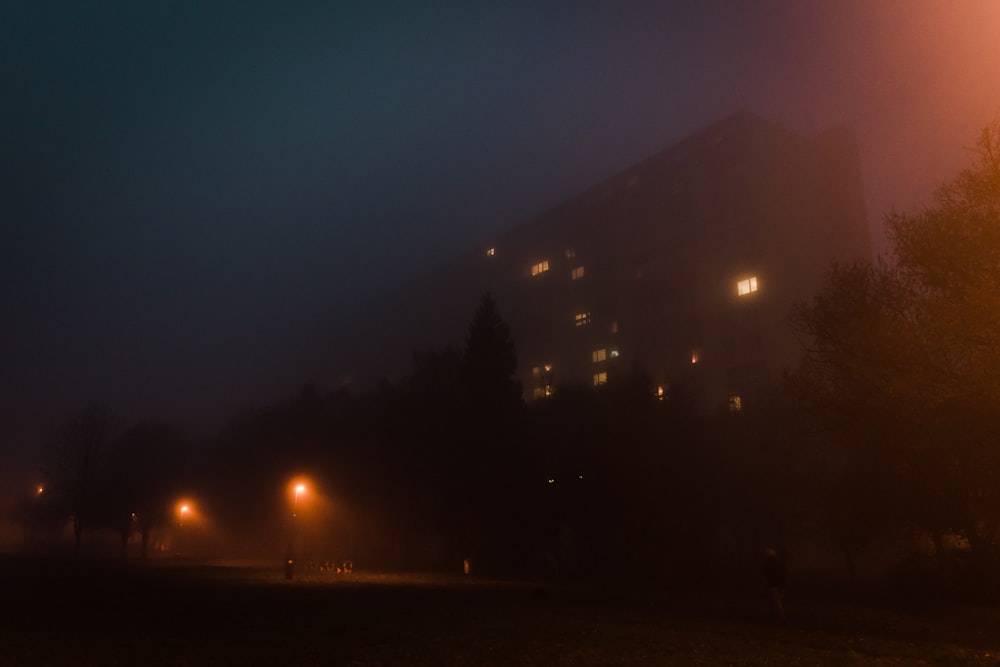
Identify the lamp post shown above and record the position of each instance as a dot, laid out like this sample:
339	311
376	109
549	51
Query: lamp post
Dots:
183	513
299	490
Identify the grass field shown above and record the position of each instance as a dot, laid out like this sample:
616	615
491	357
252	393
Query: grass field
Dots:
110	613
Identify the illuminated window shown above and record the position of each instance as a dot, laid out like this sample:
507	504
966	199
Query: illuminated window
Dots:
600	378
746	286
570	253
660	393
536	371
576	273
490	252
614	327
540	267
735	403
548	368
695	356
613	354
582	318
599	355
542	392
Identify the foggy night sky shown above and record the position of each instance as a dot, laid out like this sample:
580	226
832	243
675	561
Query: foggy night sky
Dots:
194	195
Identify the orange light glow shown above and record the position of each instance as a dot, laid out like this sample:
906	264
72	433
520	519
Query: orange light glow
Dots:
186	511
299	489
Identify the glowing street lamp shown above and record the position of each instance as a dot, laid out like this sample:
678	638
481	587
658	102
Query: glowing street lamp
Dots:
298	489
187	516
185	511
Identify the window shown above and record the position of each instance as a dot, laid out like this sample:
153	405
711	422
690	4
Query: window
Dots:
536	371
490	252
576	273
746	286
600	378
660	393
613	354
735	403
582	318
570	253
599	355
540	267
542	392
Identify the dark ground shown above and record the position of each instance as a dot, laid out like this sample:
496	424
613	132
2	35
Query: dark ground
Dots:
172	613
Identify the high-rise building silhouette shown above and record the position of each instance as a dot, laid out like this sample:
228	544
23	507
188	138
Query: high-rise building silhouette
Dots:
684	266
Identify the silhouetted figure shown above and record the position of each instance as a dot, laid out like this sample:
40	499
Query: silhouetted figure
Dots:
774	577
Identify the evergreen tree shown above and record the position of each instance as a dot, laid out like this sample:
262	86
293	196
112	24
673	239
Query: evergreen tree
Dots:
489	364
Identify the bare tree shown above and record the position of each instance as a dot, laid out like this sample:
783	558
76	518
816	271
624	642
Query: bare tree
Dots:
72	464
143	469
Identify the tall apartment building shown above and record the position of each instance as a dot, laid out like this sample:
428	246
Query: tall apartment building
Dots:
685	266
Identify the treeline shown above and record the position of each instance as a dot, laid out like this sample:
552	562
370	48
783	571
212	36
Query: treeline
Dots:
446	465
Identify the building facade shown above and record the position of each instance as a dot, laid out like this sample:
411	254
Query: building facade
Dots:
684	266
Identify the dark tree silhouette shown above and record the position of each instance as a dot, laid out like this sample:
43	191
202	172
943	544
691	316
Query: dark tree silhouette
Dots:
490	363
143	466
72	465
902	360
486	464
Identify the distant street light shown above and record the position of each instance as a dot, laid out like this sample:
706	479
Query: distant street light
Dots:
299	490
187	515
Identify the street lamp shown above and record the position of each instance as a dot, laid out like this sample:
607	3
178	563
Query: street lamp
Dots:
186	512
298	490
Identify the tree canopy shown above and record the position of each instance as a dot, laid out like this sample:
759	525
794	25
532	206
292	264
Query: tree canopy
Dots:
903	358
